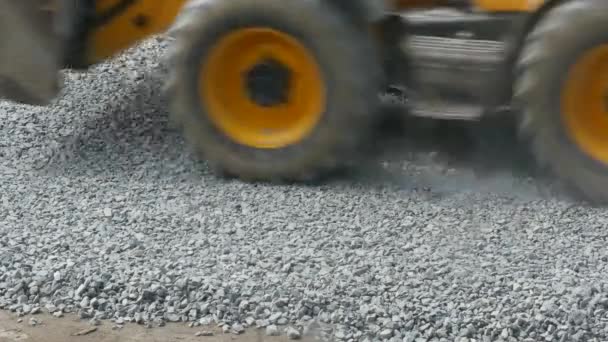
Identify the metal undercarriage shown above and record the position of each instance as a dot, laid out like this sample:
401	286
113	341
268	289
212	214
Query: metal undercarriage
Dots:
454	64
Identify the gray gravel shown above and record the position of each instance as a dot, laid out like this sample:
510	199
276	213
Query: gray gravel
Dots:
106	214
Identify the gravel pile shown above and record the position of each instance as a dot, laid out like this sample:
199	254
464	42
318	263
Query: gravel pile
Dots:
106	214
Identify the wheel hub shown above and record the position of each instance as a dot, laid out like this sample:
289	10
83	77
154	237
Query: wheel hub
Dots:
267	83
584	103
262	88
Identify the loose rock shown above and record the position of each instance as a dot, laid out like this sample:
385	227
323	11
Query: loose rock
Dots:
293	333
272	330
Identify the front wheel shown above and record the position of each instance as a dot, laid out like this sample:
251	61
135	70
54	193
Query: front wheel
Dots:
562	92
271	90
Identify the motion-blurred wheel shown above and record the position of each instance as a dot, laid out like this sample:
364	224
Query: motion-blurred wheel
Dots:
273	90
562	90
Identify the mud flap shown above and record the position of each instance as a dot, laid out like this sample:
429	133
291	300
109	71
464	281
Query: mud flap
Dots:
29	53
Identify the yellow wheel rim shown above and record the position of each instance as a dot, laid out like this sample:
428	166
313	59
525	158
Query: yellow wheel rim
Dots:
259	117
585	103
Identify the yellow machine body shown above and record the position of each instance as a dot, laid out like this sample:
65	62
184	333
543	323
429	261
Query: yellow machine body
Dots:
508	5
480	5
142	18
138	21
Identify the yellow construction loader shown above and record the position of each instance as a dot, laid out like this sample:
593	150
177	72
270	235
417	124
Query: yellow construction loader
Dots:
286	89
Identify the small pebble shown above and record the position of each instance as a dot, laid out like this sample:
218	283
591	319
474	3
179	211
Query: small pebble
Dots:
293	333
107	212
237	329
272	330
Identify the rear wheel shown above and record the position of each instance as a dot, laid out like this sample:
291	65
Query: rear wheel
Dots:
273	89
562	91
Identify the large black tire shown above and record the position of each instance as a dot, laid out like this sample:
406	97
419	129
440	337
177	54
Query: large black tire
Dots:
349	64
553	47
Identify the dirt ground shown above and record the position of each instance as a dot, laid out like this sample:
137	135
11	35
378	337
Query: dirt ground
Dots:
53	329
